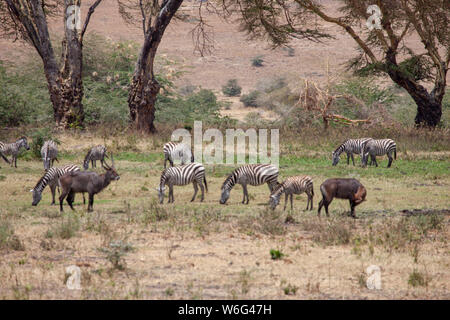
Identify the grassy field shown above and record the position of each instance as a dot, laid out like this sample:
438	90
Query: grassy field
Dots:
132	247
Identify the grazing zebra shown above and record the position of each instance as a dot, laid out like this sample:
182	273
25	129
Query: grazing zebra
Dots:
49	153
181	176
94	154
379	147
13	149
51	178
177	151
291	186
350	146
253	174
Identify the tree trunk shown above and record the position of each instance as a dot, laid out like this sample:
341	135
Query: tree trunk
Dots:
141	101
429	106
144	87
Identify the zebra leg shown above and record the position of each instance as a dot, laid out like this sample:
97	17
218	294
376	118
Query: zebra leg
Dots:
171	161
292	205
171	199
353	159
285	201
390	160
348	158
195	190
244	187
53	191
375	161
203	191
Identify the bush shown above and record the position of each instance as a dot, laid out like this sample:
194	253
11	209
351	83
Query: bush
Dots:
39	136
250	100
201	106
23	97
257	61
232	89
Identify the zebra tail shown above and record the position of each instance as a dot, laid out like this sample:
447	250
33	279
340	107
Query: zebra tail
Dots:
395	153
206	185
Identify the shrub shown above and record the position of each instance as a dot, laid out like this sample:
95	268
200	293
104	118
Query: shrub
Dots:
416	279
257	61
232	89
39	136
250	100
276	254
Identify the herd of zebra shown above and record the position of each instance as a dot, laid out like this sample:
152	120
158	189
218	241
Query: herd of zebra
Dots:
186	173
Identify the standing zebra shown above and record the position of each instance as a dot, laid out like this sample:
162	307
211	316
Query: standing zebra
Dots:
253	174
94	154
291	186
350	146
181	176
13	149
379	147
177	151
51	178
49	153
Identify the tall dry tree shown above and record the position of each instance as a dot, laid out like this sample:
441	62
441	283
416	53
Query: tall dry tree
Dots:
28	20
154	16
381	50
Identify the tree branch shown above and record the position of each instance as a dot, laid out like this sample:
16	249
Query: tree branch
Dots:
86	22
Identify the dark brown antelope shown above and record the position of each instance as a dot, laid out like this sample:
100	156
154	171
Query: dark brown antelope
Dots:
86	181
350	189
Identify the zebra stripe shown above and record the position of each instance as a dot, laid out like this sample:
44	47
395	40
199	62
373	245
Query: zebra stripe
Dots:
290	186
13	149
252	174
350	146
94	154
51	177
177	151
180	176
49	153
379	147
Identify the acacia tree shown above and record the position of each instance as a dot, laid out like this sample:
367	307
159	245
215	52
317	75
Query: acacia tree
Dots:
155	16
382	48
28	20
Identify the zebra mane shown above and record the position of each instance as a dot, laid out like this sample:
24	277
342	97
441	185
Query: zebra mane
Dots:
86	158
279	188
231	179
41	181
340	147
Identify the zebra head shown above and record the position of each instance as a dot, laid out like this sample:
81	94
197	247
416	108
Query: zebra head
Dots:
161	194
275	197
336	156
87	158
37	196
22	142
226	188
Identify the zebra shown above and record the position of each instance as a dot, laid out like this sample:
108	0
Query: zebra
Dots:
181	176
51	178
177	151
4	158
13	149
350	146
290	186
49	153
94	154
253	174
378	148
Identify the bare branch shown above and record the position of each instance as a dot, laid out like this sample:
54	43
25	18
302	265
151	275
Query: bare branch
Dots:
86	22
